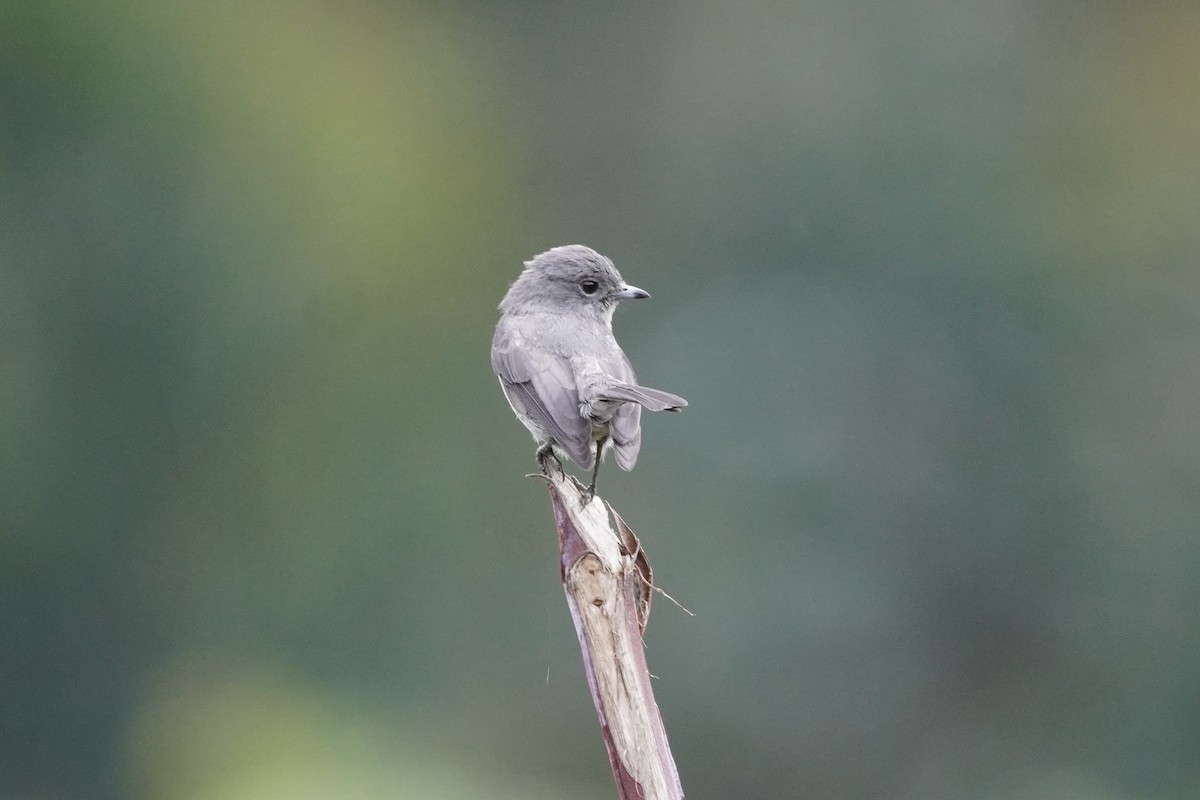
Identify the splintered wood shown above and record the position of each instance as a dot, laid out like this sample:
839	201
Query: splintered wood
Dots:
608	584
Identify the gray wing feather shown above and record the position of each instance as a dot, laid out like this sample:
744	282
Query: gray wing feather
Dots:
652	399
542	385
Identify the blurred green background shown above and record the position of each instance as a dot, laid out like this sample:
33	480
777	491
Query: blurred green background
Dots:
927	273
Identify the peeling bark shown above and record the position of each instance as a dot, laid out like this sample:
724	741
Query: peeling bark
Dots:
608	583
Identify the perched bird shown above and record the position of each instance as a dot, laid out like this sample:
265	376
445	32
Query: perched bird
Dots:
565	376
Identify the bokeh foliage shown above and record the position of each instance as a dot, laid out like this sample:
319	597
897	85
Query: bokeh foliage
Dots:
926	272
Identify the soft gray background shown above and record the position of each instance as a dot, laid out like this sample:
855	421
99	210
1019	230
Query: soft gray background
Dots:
927	273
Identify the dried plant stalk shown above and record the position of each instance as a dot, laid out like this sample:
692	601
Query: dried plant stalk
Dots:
608	584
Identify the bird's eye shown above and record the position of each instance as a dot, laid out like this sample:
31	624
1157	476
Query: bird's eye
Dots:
589	287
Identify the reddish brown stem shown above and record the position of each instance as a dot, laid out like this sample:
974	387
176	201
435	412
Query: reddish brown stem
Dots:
607	580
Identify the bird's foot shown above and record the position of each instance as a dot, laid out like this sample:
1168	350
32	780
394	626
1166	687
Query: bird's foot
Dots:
545	456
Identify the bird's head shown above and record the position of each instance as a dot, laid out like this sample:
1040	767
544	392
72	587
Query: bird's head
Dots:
569	279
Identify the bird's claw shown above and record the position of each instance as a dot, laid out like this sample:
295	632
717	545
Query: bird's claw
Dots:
544	457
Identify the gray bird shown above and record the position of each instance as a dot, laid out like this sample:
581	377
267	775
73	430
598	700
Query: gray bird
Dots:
565	376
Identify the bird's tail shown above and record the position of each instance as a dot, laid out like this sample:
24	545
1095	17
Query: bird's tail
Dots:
651	399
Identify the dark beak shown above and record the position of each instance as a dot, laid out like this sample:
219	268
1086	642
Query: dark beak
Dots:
632	293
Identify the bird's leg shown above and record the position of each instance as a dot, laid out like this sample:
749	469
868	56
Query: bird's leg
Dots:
590	492
543	455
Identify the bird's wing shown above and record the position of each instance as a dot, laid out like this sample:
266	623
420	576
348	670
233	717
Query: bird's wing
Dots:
542	385
650	399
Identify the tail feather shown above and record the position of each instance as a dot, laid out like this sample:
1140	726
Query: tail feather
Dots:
651	399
